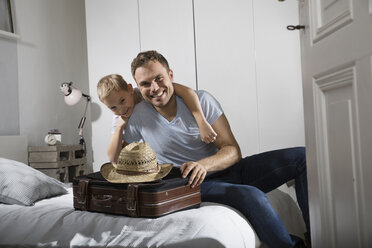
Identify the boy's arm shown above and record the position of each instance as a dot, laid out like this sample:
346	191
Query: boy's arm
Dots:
116	141
191	100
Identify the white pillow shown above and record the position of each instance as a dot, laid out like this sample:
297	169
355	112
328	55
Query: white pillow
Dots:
23	185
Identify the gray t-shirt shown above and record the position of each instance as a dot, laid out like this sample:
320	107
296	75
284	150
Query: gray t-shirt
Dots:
177	141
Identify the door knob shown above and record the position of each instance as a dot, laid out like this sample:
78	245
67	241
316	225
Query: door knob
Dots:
293	27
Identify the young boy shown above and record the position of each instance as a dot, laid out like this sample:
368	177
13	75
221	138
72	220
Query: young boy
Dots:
121	99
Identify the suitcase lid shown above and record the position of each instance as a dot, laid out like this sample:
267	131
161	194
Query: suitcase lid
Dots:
172	180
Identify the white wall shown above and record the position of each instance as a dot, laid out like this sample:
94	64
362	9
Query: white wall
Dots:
51	50
9	114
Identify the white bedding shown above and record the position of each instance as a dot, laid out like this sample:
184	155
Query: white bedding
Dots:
54	222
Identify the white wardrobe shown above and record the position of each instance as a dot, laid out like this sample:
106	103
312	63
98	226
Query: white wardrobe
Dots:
238	50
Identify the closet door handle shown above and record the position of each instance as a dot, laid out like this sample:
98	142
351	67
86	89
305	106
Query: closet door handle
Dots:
293	27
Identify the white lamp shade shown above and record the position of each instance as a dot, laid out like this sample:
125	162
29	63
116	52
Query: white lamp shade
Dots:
74	97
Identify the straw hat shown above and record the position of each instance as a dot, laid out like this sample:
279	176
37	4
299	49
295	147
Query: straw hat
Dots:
136	163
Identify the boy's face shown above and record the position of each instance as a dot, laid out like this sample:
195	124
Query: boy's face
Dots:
121	102
155	83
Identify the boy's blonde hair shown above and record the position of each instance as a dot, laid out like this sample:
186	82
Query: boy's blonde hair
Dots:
109	83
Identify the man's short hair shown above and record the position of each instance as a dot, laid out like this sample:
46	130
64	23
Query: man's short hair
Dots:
109	83
143	58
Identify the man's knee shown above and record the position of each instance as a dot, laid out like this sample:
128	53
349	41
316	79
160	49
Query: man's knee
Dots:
300	154
247	195
297	153
296	156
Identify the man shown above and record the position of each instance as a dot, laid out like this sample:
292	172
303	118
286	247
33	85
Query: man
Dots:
165	123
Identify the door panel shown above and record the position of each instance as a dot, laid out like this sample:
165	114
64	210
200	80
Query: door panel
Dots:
337	146
364	100
330	15
342	162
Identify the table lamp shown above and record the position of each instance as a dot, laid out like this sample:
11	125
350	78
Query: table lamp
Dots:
72	97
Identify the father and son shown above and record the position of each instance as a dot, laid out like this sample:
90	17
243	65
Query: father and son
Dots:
189	129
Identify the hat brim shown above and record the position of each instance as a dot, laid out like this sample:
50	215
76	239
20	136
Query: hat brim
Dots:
110	173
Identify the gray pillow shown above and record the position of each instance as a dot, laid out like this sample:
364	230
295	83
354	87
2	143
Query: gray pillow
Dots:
23	185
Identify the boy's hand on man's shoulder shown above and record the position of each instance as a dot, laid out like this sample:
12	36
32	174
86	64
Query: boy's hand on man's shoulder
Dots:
198	172
207	134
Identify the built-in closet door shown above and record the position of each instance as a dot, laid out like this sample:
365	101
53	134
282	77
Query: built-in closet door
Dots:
278	72
112	37
167	26
226	64
249	60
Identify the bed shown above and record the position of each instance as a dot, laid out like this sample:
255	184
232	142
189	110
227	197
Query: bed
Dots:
53	222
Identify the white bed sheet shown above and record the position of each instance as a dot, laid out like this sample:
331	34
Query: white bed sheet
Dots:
54	222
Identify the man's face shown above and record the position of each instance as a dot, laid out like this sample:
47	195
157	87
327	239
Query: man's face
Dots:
155	83
121	102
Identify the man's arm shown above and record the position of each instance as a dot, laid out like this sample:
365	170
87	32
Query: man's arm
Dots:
227	155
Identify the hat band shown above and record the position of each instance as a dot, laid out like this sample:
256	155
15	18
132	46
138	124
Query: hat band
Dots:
127	172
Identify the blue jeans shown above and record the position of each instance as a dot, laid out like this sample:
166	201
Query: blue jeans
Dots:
243	187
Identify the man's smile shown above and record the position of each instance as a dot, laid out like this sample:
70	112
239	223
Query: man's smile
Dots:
160	94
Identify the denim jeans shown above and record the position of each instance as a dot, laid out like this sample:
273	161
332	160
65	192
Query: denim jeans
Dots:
243	187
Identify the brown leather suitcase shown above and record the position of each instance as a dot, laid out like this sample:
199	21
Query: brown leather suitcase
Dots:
93	193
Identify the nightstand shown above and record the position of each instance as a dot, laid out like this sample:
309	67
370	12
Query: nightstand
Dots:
62	162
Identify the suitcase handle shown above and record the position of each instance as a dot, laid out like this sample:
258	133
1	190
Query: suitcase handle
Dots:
82	193
132	197
102	200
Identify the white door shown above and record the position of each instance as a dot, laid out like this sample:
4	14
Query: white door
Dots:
336	47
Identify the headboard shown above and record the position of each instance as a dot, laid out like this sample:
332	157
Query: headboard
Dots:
14	147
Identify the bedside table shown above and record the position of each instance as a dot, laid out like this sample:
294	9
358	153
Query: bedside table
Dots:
62	162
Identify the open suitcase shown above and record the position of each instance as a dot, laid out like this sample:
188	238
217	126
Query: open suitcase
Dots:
172	193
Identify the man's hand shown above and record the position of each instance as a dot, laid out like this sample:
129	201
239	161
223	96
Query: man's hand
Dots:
198	172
